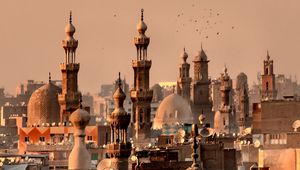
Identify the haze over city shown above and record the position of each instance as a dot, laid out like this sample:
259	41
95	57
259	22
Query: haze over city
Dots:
235	33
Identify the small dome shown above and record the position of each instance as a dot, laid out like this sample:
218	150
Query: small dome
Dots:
141	27
173	109
43	106
80	118
184	55
70	29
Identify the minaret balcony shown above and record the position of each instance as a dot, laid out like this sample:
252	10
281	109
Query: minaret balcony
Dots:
141	95
141	64
69	66
119	149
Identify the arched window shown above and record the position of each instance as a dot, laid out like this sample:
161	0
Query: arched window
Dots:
267	71
267	85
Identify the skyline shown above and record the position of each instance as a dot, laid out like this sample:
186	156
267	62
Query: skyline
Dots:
106	35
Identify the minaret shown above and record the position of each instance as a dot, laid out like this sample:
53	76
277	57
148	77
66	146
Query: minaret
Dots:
119	149
200	87
225	108
79	157
243	100
184	79
70	96
268	91
141	95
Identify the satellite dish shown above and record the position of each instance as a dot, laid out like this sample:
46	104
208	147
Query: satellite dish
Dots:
296	125
256	143
207	132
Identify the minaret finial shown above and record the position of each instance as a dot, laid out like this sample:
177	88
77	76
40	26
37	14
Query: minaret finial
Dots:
183	49
70	20
268	56
142	14
119	80
201	46
49	77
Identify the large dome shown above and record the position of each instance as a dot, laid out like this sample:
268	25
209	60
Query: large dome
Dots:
43	106
171	110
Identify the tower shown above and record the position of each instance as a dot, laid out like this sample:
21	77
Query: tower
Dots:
184	79
224	120
119	148
70	96
242	101
268	90
200	88
141	95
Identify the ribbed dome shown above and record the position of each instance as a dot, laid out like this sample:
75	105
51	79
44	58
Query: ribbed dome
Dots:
43	106
172	109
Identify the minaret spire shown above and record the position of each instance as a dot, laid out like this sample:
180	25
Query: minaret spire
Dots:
142	14
49	77
70	20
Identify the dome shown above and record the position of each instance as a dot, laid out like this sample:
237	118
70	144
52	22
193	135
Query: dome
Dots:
141	27
184	55
80	118
43	106
173	109
70	29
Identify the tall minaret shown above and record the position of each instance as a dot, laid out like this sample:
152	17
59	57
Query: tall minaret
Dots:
141	95
119	148
226	119
200	88
268	90
184	79
70	96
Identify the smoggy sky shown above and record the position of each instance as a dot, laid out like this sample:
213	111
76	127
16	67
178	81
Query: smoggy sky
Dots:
236	33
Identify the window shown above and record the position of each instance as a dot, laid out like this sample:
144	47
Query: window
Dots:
89	137
267	86
42	139
26	139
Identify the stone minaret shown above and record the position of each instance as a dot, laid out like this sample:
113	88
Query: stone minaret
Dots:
224	121
200	88
141	95
119	149
79	157
184	79
70	96
243	100
268	90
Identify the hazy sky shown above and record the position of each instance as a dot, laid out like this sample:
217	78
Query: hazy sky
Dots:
235	33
